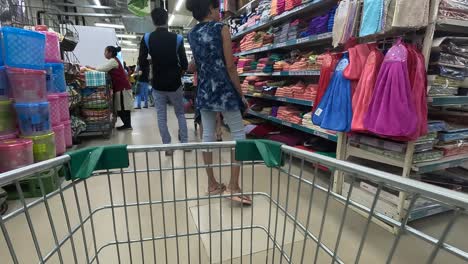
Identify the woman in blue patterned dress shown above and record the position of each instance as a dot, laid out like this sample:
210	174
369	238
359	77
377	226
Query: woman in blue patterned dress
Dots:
219	88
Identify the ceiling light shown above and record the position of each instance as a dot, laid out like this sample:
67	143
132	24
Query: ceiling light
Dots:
179	5
109	25
129	49
171	19
126	36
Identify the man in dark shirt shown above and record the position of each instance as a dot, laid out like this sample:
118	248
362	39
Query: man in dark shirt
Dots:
169	62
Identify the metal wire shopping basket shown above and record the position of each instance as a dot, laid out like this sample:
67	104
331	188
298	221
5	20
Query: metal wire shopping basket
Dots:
135	205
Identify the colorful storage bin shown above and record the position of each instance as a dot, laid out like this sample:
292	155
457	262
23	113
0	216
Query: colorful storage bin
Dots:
54	109
52	47
64	110
60	146
95	78
27	85
9	136
23	48
15	153
4	85
7	117
55	78
68	133
31	186
43	146
33	118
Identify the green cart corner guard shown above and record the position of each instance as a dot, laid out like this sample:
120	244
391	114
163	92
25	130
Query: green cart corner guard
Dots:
84	161
260	149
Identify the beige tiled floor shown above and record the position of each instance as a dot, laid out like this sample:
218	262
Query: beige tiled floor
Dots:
188	217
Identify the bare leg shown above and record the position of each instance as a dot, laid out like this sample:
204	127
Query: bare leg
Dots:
212	182
219	128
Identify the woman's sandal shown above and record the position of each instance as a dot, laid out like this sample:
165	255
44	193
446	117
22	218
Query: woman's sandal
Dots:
219	190
237	197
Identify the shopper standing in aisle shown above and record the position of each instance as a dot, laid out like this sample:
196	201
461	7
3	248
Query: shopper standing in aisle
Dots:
142	75
123	97
169	62
219	88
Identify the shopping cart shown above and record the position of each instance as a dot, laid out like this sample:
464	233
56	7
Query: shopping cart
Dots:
155	210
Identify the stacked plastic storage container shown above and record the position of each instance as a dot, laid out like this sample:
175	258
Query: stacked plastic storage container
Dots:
57	93
30	129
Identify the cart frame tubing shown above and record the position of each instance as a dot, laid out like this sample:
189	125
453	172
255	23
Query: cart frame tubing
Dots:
458	202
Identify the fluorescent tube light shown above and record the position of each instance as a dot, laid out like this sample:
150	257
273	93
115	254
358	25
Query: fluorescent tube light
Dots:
171	19
126	36
109	25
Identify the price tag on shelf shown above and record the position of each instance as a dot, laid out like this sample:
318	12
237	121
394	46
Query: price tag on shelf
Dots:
302	40
282	99
324	35
284	123
280	45
296	73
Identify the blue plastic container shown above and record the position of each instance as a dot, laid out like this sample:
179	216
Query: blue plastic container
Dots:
55	78
23	48
33	118
4	84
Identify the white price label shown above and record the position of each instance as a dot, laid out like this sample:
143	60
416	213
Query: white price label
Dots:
280	45
318	112
324	36
284	123
282	99
302	40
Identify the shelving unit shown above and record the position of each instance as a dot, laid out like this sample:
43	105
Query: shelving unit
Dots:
315	39
320	133
282	99
310	7
282	73
344	149
408	167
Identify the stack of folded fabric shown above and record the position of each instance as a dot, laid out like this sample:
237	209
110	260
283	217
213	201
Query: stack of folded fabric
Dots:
285	92
278	66
243	65
318	25
300	65
298	89
293	29
246	42
290	4
264	10
307	122
454	9
274	83
258	40
310	92
289	114
281	35
280	6
268	39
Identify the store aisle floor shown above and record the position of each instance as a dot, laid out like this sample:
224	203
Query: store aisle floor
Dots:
190	215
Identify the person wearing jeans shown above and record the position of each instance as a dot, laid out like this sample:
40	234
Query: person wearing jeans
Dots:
143	88
169	62
218	89
161	99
